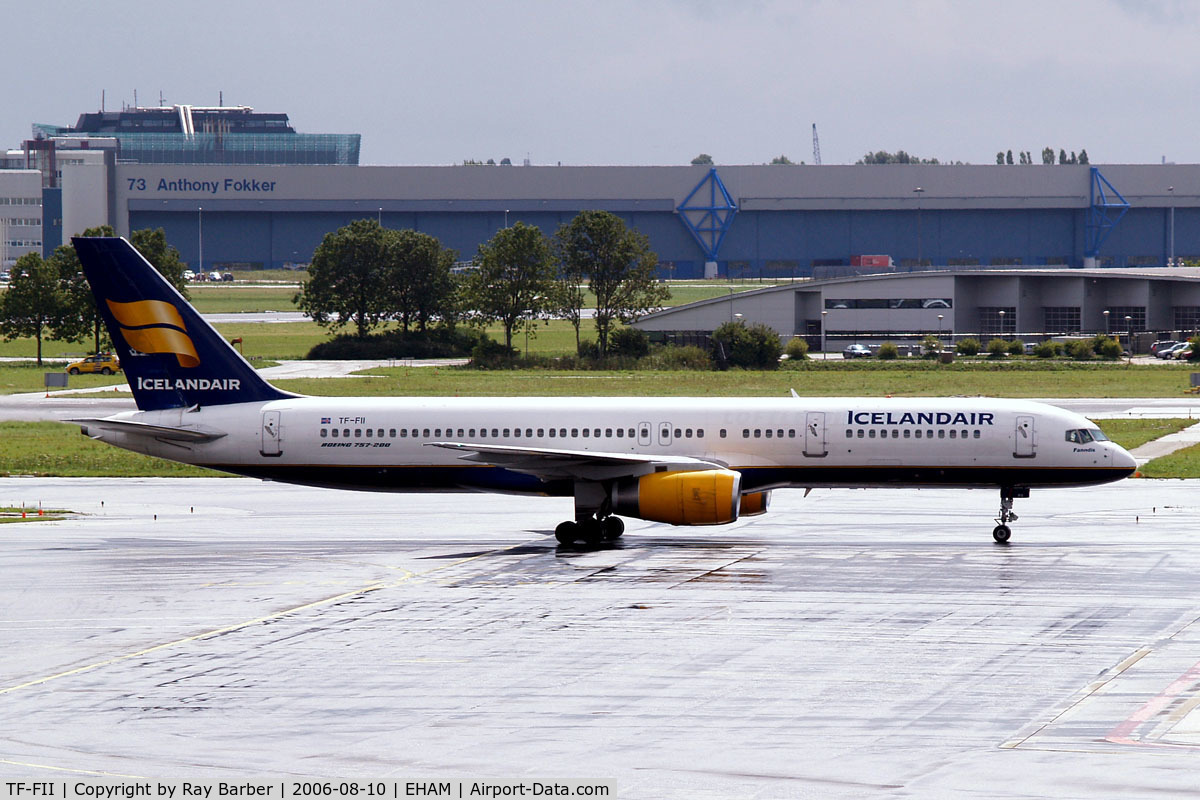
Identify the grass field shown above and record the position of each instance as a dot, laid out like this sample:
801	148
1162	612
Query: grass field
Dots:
830	379
1183	463
1131	433
23	377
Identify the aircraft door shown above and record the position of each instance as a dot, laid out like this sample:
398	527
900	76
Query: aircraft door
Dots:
664	433
1025	443
814	434
644	433
272	435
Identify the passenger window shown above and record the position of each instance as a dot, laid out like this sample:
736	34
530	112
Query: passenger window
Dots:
953	433
574	433
620	433
379	433
942	433
917	433
758	433
976	434
608	433
517	432
928	434
871	433
324	433
506	433
596	433
426	433
700	433
723	433
861	433
345	433
631	433
645	433
460	433
403	433
335	434
678	433
437	433
471	433
907	433
849	433
529	433
552	432
585	433
358	433
768	433
745	433
391	433
369	432
496	433
791	433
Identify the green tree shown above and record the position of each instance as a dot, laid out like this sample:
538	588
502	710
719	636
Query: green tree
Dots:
416	278
1062	156
1048	155
1000	157
34	302
783	160
347	279
1083	157
749	346
153	246
704	159
512	284
1008	158
619	266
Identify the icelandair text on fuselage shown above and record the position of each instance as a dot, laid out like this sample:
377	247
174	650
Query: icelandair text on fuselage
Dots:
190	384
189	186
919	418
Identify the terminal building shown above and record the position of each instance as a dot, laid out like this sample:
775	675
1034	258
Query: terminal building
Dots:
234	188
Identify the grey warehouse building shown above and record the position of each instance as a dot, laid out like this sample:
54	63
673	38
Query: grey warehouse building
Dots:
1032	303
732	221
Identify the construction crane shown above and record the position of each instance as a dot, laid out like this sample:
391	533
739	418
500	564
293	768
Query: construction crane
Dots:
816	147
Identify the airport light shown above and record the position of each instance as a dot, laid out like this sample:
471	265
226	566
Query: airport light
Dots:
1129	327
1107	330
824	321
200	235
1002	322
940	318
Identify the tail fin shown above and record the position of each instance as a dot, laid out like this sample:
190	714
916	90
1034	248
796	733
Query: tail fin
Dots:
172	357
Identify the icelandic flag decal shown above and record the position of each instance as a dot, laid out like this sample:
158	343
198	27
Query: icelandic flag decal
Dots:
324	420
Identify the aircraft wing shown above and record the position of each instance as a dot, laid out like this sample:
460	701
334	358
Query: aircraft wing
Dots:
144	429
589	465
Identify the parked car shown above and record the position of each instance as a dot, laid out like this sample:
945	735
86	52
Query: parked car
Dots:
1161	343
857	351
1183	353
188	275
1170	350
104	363
227	277
214	276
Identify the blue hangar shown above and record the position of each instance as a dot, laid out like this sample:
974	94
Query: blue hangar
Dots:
730	221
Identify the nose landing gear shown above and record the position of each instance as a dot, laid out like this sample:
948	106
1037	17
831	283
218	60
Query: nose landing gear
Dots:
1002	533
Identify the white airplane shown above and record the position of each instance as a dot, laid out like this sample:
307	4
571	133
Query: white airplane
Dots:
683	461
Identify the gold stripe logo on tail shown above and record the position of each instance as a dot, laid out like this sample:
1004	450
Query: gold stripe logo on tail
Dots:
154	326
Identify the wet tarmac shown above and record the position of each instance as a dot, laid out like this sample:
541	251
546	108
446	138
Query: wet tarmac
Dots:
848	644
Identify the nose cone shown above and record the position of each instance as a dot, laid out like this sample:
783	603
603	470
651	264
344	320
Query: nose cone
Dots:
1123	459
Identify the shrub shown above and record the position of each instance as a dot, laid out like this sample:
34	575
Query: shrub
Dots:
997	348
797	349
1048	349
1080	349
1016	348
589	349
888	351
629	343
489	354
1110	348
1194	343
433	343
737	344
968	347
672	357
931	346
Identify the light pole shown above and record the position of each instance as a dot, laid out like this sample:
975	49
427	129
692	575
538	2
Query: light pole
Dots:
919	191
1129	327
824	322
940	317
1171	254
379	218
1001	323
506	217
1107	330
200	233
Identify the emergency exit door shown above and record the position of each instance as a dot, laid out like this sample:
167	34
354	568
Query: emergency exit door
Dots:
272	435
814	434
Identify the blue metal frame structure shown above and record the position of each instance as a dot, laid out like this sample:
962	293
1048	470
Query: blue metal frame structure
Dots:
1100	223
709	223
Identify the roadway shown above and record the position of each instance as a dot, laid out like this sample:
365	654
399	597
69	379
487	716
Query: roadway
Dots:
848	644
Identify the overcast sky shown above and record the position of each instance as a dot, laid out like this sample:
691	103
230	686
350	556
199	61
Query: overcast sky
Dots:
629	82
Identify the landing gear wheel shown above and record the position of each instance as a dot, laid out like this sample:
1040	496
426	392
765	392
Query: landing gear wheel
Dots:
591	530
612	527
567	532
1001	533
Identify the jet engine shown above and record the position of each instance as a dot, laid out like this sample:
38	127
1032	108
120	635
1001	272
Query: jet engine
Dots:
701	497
755	503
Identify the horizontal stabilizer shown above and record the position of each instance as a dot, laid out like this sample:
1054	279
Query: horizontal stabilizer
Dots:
144	429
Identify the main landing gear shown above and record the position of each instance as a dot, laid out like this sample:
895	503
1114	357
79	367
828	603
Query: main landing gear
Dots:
591	530
1002	533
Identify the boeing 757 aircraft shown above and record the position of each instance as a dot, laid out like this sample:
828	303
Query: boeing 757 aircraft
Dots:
679	460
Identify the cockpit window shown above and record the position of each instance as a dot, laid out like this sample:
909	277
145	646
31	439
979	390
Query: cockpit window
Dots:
1081	435
1098	435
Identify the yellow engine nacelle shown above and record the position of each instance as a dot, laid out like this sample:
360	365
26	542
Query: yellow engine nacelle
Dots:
754	504
702	497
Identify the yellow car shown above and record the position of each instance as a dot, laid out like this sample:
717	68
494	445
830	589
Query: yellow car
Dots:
105	364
